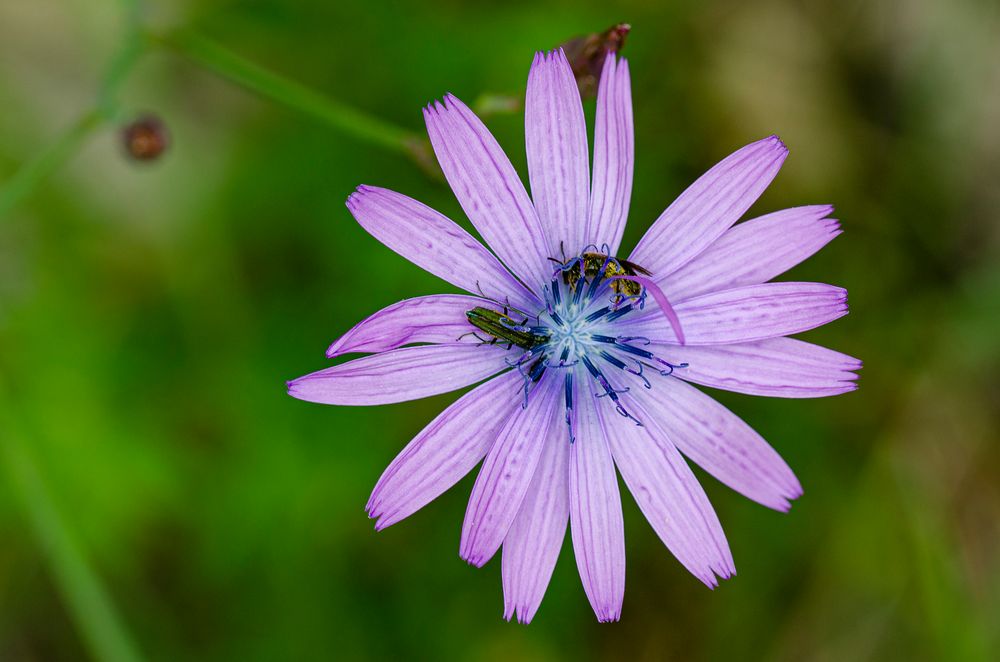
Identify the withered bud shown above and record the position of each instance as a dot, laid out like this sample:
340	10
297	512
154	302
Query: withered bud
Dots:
145	138
586	55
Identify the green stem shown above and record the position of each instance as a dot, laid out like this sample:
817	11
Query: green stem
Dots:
87	600
31	173
35	171
273	86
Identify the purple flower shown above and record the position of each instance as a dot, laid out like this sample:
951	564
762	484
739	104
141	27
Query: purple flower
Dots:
587	363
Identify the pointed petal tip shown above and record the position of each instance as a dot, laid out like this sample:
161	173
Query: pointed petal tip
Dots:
434	108
717	571
612	615
523	613
784	506
472	558
358	196
727	572
292	387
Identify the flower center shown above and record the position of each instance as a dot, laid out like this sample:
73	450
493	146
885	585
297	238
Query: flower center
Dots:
576	332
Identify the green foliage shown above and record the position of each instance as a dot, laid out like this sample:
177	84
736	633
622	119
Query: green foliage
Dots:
163	497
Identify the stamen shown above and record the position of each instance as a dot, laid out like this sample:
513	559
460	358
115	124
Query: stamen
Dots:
608	389
568	266
597	314
612	392
615	314
549	308
646	354
613	360
661	300
534	374
618	363
599	277
569	406
537	369
564	329
670	366
578	291
638	373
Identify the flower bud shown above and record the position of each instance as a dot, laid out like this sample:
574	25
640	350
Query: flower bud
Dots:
586	55
145	138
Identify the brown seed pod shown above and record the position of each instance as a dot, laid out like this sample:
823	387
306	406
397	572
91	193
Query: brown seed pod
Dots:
145	138
586	55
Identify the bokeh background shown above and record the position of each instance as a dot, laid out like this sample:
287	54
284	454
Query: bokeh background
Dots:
162	498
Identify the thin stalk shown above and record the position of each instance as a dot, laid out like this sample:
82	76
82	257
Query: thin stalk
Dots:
34	171
88	602
276	87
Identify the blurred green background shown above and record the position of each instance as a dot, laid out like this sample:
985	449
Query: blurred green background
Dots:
160	495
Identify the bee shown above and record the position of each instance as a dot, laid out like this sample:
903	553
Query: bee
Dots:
500	327
593	262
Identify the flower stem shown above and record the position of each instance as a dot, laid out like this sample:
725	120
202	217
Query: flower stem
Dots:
86	598
34	171
276	87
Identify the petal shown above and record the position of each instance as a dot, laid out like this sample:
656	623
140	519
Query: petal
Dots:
438	318
746	314
558	157
446	450
613	156
407	373
532	545
596	523
488	189
506	475
709	207
669	495
779	367
435	244
719	442
754	252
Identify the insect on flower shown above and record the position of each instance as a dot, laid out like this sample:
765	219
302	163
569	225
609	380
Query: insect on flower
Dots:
500	327
582	366
595	263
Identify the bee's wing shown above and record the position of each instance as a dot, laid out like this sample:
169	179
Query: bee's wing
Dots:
635	268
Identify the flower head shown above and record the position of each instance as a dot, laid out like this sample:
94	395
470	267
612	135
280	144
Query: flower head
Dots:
586	357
